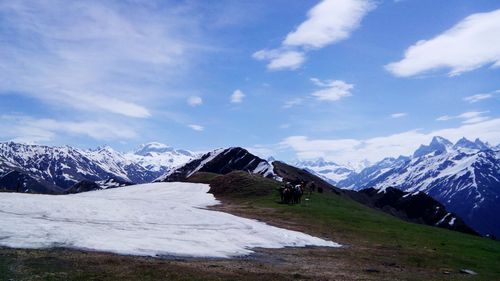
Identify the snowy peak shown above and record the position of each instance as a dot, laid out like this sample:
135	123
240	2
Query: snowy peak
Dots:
327	170
465	143
151	148
478	145
159	158
438	145
437	140
319	162
481	145
221	161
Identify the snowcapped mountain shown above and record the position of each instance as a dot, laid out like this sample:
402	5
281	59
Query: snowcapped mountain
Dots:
464	177
59	168
158	157
329	171
221	161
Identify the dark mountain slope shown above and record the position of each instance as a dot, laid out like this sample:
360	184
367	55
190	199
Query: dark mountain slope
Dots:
15	181
221	161
296	175
414	207
236	183
83	186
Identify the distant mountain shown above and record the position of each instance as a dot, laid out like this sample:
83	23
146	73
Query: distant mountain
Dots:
437	146
329	171
464	177
159	158
221	161
60	168
416	207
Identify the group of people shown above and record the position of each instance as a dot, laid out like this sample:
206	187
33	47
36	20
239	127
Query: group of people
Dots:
292	193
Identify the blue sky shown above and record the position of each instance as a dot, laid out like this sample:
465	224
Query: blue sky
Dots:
339	79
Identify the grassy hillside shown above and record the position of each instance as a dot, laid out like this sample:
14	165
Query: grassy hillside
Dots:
412	244
351	223
236	184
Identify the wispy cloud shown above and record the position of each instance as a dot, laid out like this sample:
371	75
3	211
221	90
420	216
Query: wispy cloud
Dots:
92	56
470	44
333	90
470	117
195	101
237	96
328	22
480	97
399	115
293	102
30	130
375	149
196	127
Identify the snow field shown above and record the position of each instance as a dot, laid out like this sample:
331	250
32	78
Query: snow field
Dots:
149	220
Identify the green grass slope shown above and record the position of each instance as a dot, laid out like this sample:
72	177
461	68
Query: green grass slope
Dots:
408	244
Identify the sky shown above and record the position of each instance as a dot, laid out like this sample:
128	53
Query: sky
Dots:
345	80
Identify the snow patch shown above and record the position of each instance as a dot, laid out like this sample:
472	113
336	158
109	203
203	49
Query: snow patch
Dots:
149	220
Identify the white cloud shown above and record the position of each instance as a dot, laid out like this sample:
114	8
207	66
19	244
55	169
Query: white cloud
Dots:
280	59
196	127
375	149
91	55
237	96
444	118
470	44
470	117
293	102
195	101
399	115
478	97
107	103
328	22
333	89
30	130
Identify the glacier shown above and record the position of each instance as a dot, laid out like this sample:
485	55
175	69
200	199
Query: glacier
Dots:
157	219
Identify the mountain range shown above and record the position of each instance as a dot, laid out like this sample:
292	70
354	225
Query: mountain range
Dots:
464	177
56	169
